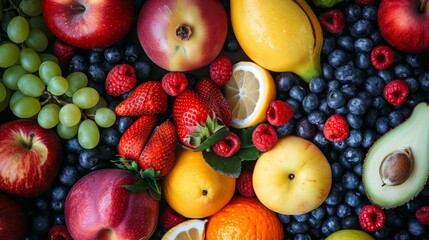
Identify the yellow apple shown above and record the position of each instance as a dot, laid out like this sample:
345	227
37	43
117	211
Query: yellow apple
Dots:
292	178
349	234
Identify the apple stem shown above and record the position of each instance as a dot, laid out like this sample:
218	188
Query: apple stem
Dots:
30	142
183	32
423	5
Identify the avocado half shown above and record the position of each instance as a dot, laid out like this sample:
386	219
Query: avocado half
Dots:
396	166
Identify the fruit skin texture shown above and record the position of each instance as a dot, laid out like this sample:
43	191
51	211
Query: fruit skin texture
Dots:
89	24
120	79
28	165
193	189
349	234
99	206
158	23
404	24
12	219
244	218
294	177
281	36
372	218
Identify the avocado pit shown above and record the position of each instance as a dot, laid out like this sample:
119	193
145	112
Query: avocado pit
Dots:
396	167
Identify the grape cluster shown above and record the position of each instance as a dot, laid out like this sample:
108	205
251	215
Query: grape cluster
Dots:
34	86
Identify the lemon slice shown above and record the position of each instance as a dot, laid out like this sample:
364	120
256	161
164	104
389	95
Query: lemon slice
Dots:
249	92
193	229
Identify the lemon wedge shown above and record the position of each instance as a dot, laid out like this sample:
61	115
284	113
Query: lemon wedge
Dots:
193	229
249	92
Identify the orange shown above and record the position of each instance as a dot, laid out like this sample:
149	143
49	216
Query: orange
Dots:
193	189
244	218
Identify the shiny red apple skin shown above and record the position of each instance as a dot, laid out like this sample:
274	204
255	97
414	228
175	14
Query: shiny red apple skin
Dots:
405	24
28	165
88	23
98	206
157	24
13	222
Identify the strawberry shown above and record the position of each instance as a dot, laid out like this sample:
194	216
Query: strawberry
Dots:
146	98
159	153
135	137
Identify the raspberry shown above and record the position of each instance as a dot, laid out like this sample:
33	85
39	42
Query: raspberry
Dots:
422	215
382	57
58	232
332	21
228	146
63	51
120	79
279	112
336	128
396	92
220	70
170	218
174	83
244	184
264	137
372	218
364	2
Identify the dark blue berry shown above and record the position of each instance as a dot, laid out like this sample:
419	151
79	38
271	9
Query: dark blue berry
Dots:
361	28
362	60
231	44
96	73
374	85
395	118
363	45
286	129
343	210
414	60
57	206
329	44
89	158
296	227
337	57
107	152
297	93
349	73
349	90
402	70
333	223
317	85
369	137
350	180
353	198
352	12
336	170
327	71
143	70
302	237
357	106
335	99
110	136
402	235
310	102
319	212
324	107
424	81
305	129
68	175
59	192
382	125
41	223
378	102
285	81
353	155
376	37
95	57
350	222
369	12
335	195
355	138
132	52
387	75
123	123
302	217
416	228
339	146
73	145
316	117
346	42
284	218
354	121
113	54
78	63
413	84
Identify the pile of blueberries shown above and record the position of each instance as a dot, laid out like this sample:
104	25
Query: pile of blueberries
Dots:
349	86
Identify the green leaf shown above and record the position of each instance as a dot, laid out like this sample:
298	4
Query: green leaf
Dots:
139	186
214	138
230	166
245	136
151	173
250	153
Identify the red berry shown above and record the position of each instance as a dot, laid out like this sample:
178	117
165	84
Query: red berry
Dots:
174	83
332	21
244	184
422	215
63	51
220	70
59	232
382	57
279	112
120	79
364	2
396	92
170	218
264	137
372	218
336	128
228	146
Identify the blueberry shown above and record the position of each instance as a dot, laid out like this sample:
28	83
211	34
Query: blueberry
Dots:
41	223
284	218
70	157
357	106
387	75
107	152
89	158
352	12
402	235
368	138
369	12
96	73
362	60
296	227
346	42
339	146
331	210
348	73
335	195
41	203
363	45
343	210
374	85
402	70
132	52
337	170
370	117
378	102
350	222
305	129
319	212
382	125
59	192
310	102
353	198
414	60
73	145
316	117
113	54
143	70
286	80
286	129
316	85
59	219
110	136
68	175
361	28
335	99
350	180
123	123
355	138
57	206
354	121
97	86
424	81
95	57
413	84
329	44
231	44
107	66
337	57
376	37
395	118
302	217
333	223
78	63
349	90
327	71
416	228
297	92
324	107
353	155
302	237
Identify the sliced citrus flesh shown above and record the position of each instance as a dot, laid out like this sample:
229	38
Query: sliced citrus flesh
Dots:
193	229
249	92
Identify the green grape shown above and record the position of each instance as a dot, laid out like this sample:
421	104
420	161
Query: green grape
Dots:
29	60
12	75
5	102
48	70
101	103
26	107
105	117
88	134
70	115
44	57
3	92
16	96
77	80
39	23
31	7
86	97
18	29
48	116
67	132
9	53
37	40
31	85
58	85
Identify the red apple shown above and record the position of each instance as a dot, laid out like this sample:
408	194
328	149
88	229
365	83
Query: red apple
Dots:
12	219
87	23
99	207
405	24
30	158
182	35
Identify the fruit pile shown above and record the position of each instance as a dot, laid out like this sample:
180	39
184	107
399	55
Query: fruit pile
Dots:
156	119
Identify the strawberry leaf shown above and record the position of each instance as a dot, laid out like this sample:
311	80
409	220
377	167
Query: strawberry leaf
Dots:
214	138
230	166
245	136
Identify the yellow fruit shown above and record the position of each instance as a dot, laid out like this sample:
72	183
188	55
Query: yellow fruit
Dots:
249	93
188	230
349	234
193	189
279	35
292	178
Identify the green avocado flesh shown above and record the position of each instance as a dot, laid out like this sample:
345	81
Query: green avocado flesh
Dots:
412	134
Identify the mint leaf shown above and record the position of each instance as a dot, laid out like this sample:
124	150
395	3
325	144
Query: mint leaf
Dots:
214	138
250	153
139	186
230	166
245	136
